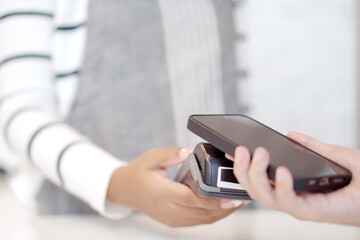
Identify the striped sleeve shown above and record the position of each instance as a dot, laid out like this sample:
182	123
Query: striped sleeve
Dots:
29	121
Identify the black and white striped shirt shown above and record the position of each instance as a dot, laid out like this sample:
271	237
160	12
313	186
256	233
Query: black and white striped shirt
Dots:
42	48
42	44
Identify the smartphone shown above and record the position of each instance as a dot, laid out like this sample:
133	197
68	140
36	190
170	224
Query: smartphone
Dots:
311	171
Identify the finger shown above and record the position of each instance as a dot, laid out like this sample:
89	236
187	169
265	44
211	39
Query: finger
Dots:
228	156
258	177
307	206
175	215
187	216
184	196
165	157
284	188
201	213
220	216
337	154
245	202
241	166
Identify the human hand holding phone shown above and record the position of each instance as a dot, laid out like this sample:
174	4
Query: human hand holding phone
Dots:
341	206
143	186
311	171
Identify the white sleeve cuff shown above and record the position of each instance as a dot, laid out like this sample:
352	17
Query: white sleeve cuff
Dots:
115	211
86	170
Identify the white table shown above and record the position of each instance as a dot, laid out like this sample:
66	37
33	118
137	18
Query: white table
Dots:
18	222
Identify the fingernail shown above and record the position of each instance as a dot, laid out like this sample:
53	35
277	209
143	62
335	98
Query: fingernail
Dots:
184	152
226	204
236	202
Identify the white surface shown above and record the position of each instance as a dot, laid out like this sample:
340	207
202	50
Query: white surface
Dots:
19	222
301	57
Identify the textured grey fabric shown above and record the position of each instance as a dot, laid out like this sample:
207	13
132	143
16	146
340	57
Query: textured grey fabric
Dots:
224	12
124	102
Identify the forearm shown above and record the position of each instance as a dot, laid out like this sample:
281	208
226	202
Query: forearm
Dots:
65	157
29	122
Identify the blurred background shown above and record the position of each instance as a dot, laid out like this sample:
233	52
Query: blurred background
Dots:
297	67
297	64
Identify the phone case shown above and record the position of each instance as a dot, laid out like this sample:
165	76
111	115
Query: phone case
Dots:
227	146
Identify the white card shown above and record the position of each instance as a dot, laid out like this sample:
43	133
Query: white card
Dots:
224	184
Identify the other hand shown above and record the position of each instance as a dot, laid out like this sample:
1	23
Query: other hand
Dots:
144	186
341	206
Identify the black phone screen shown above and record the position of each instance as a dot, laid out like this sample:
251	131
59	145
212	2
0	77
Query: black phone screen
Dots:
241	130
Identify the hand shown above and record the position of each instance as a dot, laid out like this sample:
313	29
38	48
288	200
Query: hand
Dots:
341	206
143	186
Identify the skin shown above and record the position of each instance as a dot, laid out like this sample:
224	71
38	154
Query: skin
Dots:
341	206
149	190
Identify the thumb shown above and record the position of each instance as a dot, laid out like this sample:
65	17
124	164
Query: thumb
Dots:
337	154
166	157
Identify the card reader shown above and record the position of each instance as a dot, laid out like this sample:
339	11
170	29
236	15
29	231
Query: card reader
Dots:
210	174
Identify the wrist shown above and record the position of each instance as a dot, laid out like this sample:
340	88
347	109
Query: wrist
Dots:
117	191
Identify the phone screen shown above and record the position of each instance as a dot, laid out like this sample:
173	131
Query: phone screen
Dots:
243	131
